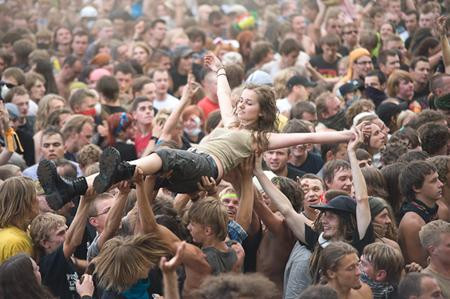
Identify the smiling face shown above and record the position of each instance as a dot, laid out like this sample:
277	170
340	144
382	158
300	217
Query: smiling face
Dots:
231	201
330	224
313	190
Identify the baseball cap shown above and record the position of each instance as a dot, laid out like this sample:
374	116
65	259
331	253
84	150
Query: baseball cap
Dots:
299	80
13	110
349	86
259	77
339	204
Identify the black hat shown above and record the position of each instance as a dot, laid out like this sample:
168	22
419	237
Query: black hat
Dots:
386	110
350	86
377	205
339	204
299	80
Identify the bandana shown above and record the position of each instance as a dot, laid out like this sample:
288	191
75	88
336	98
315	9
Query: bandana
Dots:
336	122
380	290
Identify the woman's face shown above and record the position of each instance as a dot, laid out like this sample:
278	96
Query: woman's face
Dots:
385	30
141	55
55	104
192	122
63	36
377	138
37	91
247	107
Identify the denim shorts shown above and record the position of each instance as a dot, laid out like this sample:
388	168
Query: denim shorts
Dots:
182	170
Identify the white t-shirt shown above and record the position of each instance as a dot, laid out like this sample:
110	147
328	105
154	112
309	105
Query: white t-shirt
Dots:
283	105
170	102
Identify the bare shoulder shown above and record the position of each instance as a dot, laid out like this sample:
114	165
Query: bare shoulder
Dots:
411	221
363	292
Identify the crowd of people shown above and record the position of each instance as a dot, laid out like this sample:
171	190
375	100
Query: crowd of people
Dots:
224	149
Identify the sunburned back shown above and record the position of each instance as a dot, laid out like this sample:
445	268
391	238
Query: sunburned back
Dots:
229	146
273	254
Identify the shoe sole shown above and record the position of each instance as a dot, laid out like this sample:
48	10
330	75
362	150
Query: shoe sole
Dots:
109	161
48	176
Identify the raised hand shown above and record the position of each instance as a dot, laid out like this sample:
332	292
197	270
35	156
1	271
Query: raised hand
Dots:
171	265
441	26
212	62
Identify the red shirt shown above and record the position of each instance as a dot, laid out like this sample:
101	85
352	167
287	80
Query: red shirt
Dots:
207	106
141	142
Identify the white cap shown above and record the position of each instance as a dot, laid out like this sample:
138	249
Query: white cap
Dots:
88	12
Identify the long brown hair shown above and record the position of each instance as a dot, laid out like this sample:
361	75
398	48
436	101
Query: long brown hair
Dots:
267	122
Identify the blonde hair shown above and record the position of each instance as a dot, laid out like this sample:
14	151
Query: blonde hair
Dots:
430	233
42	225
122	259
385	257
280	80
43	112
210	212
17	201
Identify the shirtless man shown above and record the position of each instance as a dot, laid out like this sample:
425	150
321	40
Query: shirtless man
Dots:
340	269
420	184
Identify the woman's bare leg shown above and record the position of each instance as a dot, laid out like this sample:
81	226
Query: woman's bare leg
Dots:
149	164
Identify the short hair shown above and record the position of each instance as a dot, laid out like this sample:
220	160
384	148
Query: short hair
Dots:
15	73
408	135
356	108
75	125
237	285
426	116
312	177
50	131
437	81
333	147
22	48
215	15
332	255
413	176
394	81
31	78
413	155
430	233
124	67
414	12
194	32
108	86
296	126
379	74
331	167
291	190
385	257
88	154
70	60
382	58
288	46
416	60
330	40
121	258
79	95
319	292
301	107
260	51
17	199
210	212
15	91
92	211
321	103
213	120
392	151
139	83
441	163
411	285
137	101
235	75
42	226
434	137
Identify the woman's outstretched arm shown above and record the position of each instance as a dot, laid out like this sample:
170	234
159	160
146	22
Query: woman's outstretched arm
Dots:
282	140
223	89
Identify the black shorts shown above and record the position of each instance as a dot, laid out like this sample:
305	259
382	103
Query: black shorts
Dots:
182	170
